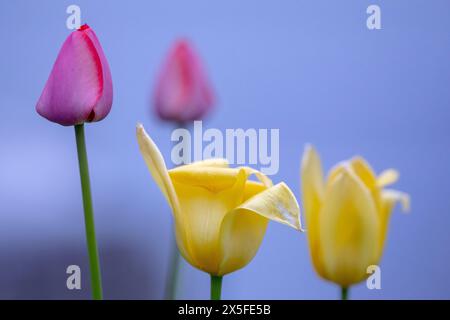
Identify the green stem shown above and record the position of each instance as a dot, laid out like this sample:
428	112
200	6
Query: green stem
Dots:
344	293
96	280
172	275
216	287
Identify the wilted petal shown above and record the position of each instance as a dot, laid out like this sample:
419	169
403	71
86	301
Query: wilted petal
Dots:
276	203
243	228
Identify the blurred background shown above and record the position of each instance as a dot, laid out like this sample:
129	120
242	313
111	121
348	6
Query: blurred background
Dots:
310	68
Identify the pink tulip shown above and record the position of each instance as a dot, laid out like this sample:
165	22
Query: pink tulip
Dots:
182	90
79	88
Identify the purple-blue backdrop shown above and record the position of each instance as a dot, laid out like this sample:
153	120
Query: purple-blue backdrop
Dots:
310	68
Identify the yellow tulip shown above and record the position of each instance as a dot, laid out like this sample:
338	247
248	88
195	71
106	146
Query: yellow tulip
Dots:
220	215
347	216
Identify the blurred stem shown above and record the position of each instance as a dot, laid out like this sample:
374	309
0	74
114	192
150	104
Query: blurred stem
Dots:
216	287
94	264
172	275
344	293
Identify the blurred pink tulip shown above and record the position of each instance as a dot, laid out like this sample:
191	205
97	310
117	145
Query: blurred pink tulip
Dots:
79	88
182	90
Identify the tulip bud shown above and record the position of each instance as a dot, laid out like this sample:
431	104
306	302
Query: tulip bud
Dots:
347	216
182	90
79	88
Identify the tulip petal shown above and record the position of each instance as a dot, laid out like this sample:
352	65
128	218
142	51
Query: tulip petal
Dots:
213	162
387	177
276	203
366	174
252	188
348	229
104	103
389	198
243	228
260	176
312	182
364	171
242	232
313	189
205	209
214	175
156	165
214	179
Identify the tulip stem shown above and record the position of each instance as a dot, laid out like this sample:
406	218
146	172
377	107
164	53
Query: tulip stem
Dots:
344	293
172	275
96	280
216	287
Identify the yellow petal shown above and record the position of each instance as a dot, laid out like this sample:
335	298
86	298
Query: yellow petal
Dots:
389	198
259	175
363	170
213	162
276	203
337	170
348	230
207	191
156	165
312	182
387	177
204	207
312	185
252	188
242	232
214	179
243	228
366	174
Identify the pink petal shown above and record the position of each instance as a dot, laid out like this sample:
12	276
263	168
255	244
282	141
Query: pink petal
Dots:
183	92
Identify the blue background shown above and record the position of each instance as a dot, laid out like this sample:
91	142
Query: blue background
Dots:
310	68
